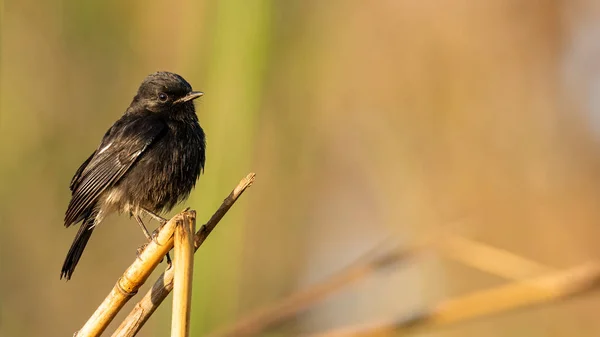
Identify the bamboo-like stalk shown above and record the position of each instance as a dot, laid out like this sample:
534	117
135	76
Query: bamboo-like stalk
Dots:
163	286
133	278
516	295
184	268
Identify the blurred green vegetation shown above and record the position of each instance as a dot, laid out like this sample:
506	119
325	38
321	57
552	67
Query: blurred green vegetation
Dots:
361	119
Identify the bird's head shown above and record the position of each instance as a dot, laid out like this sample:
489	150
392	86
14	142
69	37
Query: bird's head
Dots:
164	91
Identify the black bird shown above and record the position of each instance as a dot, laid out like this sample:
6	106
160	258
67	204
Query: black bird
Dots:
147	162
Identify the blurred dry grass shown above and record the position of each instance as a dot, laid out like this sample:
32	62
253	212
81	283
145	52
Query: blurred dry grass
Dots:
361	118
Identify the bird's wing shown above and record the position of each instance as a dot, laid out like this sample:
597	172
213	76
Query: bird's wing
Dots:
77	177
121	147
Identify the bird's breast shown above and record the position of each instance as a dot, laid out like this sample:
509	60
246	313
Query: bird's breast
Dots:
166	172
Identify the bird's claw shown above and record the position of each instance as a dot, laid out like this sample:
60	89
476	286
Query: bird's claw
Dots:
140	249
155	236
161	223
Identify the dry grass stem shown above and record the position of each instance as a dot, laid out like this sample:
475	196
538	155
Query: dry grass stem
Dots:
491	260
183	265
163	286
516	295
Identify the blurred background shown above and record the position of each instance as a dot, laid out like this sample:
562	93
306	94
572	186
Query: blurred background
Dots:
362	119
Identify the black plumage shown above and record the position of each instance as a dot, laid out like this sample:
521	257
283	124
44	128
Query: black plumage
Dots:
147	162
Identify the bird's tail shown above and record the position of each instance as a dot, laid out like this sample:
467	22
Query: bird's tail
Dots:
78	245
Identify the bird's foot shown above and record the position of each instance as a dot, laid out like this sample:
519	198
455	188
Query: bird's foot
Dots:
140	249
161	224
154	235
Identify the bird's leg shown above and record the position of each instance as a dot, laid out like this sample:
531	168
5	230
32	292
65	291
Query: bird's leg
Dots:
146	233
148	236
158	218
162	222
155	216
142	226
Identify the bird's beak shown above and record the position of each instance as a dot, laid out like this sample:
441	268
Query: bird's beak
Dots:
190	96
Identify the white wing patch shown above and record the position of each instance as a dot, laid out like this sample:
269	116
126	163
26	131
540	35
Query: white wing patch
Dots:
104	148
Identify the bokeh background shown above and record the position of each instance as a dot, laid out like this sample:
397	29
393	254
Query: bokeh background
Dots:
362	119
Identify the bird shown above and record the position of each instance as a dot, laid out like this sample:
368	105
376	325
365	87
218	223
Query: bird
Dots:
147	162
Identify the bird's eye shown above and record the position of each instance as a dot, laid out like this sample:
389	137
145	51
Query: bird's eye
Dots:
163	97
